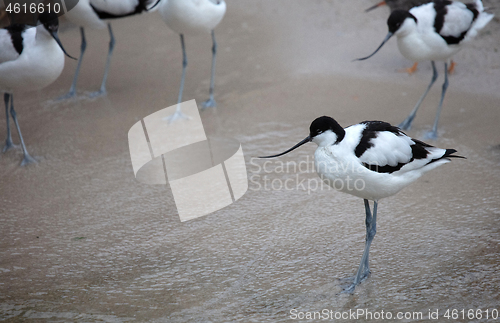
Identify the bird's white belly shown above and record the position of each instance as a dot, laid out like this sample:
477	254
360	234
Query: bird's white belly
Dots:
83	15
349	176
422	47
191	17
36	68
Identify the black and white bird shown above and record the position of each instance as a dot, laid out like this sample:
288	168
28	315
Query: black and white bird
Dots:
95	14
376	158
434	31
30	59
188	17
407	5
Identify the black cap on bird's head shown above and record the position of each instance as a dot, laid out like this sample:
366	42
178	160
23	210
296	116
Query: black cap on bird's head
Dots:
51	23
49	20
397	18
318	126
325	123
394	22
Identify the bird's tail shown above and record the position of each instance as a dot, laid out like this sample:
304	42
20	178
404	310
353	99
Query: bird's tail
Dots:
438	157
480	22
479	5
449	154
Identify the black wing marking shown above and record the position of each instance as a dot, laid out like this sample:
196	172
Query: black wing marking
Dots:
140	8
455	37
370	132
16	34
418	151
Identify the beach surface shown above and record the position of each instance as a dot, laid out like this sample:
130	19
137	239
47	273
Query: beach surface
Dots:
81	240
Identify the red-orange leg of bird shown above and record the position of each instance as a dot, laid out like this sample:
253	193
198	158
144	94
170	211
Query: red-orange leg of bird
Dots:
409	70
451	69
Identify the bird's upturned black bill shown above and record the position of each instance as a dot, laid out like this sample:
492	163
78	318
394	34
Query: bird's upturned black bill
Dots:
389	35
383	3
151	8
58	41
305	141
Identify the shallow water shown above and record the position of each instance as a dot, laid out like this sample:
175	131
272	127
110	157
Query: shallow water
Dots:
82	241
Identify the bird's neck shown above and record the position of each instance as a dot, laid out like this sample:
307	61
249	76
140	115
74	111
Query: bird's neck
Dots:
328	138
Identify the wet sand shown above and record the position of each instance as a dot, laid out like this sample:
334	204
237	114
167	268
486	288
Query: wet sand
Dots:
82	241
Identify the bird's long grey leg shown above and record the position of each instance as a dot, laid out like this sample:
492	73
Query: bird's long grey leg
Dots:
178	113
8	142
433	133
72	90
184	66
406	124
210	103
371	230
102	90
27	158
368	223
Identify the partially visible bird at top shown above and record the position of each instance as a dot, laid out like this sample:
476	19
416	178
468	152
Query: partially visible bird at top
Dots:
399	4
407	5
187	17
30	59
434	31
95	14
